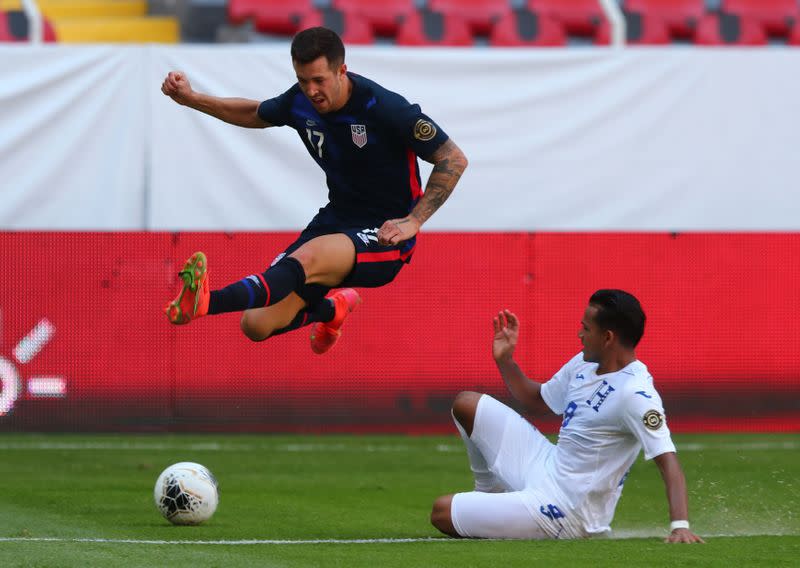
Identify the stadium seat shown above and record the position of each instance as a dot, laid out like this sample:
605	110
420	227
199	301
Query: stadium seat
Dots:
384	17
270	16
579	17
352	28
794	35
680	16
239	11
777	16
14	27
728	30
479	14
640	29
520	28
428	28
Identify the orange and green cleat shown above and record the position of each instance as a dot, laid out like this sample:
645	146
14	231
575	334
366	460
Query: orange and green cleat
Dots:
193	300
324	335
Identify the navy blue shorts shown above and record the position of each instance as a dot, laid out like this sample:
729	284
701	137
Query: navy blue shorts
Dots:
375	265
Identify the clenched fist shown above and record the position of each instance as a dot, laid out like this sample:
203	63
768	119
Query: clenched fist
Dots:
177	87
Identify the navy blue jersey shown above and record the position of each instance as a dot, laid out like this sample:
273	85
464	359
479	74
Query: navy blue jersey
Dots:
368	149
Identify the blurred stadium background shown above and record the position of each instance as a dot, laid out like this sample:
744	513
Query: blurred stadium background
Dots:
667	166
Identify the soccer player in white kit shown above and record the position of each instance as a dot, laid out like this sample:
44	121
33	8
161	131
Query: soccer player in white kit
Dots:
525	486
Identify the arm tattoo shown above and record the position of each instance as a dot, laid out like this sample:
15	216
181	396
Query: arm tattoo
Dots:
449	163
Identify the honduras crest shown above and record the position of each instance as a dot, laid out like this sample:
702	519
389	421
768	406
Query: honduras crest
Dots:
359	132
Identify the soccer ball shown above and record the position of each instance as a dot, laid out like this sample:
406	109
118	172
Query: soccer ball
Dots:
186	493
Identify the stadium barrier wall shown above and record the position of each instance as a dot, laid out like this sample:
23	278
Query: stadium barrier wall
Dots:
86	347
654	166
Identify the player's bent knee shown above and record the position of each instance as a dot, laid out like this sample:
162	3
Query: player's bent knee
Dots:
250	329
305	256
440	516
311	254
464	407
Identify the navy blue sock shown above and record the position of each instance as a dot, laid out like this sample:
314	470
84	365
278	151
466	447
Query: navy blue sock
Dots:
321	311
259	290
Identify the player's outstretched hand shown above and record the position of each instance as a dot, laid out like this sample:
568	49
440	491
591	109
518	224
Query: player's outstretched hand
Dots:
506	333
683	535
396	231
177	87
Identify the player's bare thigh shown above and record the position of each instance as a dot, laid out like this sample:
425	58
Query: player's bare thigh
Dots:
259	323
327	259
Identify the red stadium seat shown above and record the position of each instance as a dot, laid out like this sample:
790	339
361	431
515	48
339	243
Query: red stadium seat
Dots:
522	28
384	16
580	17
640	29
479	14
14	27
794	34
271	16
680	16
426	27
352	28
777	16
729	30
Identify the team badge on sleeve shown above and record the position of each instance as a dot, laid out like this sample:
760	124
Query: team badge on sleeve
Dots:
653	419
359	132
424	130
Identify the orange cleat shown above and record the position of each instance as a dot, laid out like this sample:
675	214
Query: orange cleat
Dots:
193	300
324	335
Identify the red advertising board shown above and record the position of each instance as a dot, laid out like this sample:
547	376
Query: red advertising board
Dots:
85	344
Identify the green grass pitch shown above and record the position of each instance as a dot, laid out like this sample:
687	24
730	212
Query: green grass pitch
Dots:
86	500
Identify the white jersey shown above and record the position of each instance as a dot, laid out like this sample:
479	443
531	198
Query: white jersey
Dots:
607	420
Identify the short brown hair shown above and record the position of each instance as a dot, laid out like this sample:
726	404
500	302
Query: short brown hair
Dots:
313	43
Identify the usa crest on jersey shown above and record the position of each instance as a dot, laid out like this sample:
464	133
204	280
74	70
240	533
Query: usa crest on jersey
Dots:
359	132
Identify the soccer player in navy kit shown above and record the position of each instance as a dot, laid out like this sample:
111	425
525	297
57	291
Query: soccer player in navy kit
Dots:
367	140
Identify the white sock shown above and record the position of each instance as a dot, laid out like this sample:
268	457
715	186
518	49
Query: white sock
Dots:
485	481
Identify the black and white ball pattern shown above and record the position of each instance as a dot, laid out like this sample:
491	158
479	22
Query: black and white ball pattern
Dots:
186	493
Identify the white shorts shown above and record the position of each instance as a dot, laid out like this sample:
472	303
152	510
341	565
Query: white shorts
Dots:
517	454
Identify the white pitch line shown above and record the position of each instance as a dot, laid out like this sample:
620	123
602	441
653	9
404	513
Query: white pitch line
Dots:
754	446
617	535
229	542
